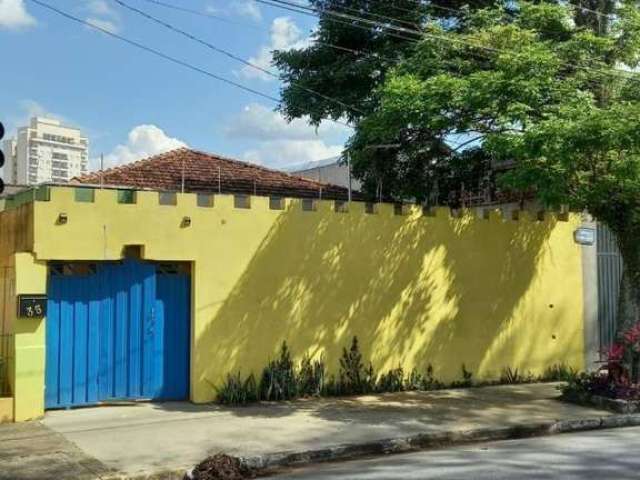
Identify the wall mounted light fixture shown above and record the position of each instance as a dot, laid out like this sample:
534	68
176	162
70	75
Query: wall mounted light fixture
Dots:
186	222
62	219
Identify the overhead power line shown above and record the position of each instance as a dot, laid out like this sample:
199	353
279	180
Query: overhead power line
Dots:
202	14
231	55
370	14
249	89
163	55
254	27
337	17
458	12
152	50
610	71
350	17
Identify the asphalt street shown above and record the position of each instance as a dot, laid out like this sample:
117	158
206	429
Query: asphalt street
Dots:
603	454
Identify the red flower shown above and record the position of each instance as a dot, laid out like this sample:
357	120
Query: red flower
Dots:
615	353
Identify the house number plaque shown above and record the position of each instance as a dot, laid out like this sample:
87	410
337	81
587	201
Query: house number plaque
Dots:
32	306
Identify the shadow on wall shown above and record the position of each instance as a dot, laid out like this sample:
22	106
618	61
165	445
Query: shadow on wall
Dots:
414	290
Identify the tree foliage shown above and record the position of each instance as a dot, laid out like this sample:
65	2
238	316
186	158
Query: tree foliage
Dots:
350	56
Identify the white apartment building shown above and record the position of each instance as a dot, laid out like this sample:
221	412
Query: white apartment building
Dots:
45	151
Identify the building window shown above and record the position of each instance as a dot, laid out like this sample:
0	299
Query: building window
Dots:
126	196
59	165
85	195
309	205
242	201
57	138
205	200
167	198
276	203
59	156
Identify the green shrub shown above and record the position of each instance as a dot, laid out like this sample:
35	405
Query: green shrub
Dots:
235	391
330	387
426	382
279	380
414	381
392	381
467	379
559	373
311	377
430	382
511	376
353	378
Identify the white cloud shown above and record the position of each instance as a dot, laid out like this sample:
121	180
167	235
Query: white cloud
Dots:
99	7
285	35
143	141
280	143
102	15
31	108
14	15
248	8
259	122
243	8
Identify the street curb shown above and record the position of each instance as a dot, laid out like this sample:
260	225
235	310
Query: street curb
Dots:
423	441
426	441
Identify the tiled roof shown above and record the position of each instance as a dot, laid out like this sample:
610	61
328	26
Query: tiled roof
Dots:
205	172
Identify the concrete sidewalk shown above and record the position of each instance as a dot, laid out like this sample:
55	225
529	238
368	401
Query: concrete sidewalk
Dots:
31	451
152	437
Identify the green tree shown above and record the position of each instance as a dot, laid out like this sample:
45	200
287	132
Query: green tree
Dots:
542	88
351	55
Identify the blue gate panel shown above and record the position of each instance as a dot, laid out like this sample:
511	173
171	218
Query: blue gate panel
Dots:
52	357
174	298
121	331
151	329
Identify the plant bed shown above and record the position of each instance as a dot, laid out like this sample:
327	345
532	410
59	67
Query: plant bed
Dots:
616	385
283	380
616	405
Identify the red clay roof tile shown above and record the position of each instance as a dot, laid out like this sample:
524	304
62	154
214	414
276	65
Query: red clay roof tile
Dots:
205	172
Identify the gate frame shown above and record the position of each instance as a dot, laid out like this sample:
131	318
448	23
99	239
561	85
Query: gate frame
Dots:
139	256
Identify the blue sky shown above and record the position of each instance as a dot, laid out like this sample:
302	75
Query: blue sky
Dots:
132	104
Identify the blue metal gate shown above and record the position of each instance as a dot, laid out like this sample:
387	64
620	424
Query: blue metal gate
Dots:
116	331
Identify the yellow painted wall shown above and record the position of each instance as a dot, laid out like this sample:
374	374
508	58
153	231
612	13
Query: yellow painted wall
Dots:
489	293
16	236
29	338
6	410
